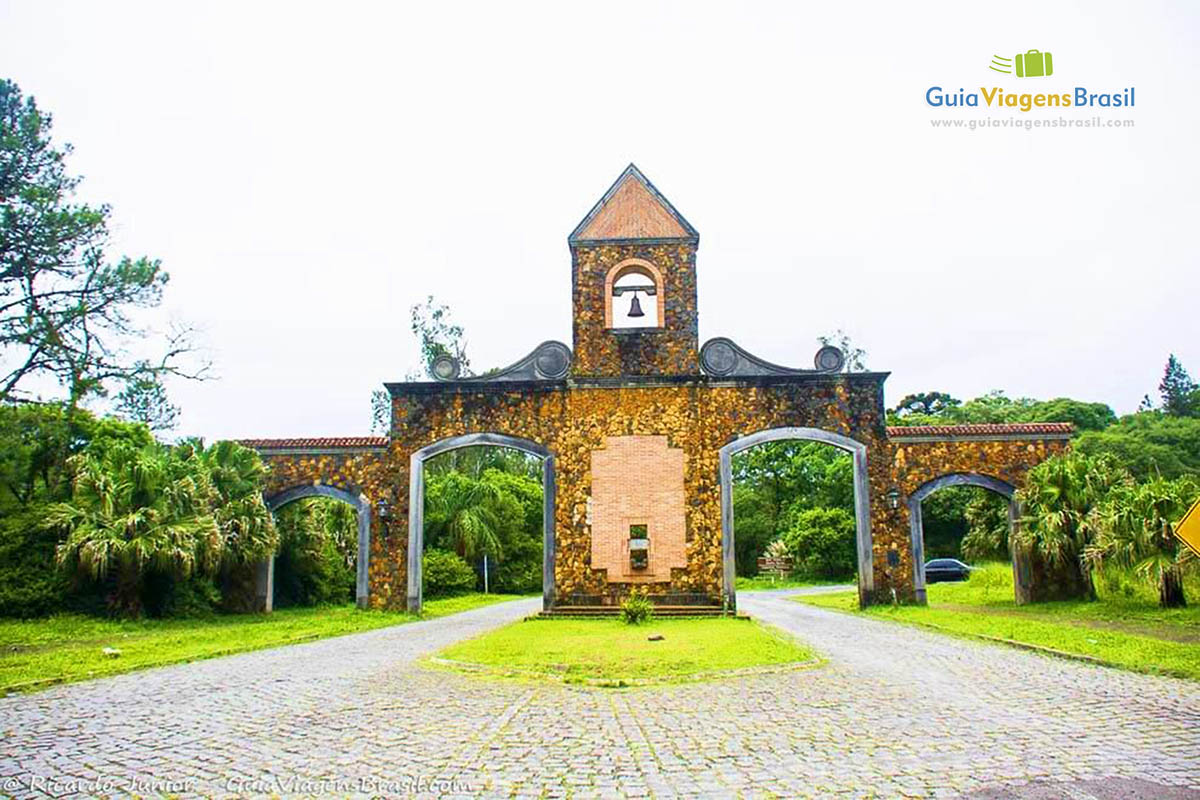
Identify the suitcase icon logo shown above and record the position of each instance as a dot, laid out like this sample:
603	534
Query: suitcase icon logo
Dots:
1031	64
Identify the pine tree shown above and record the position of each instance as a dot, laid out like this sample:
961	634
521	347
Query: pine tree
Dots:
1179	391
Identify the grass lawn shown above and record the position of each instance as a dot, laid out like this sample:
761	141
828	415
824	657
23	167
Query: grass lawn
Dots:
69	647
768	582
1124	628
611	652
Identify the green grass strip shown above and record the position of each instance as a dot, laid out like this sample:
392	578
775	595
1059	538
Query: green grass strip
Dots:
70	647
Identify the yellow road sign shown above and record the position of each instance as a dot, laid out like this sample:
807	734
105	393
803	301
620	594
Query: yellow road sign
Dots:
1188	529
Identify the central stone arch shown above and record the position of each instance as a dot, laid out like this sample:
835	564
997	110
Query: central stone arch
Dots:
416	506
917	524
266	576
862	500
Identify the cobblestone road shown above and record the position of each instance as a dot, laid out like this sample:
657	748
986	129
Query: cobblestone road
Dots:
896	712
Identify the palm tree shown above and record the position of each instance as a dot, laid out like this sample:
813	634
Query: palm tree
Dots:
1136	529
461	511
1058	524
237	474
134	510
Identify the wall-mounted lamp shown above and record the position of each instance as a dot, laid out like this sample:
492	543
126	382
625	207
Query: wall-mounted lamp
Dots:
383	508
893	498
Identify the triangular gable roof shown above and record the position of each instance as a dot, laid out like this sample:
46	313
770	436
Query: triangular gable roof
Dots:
633	210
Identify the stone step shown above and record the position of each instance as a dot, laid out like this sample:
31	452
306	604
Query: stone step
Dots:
659	611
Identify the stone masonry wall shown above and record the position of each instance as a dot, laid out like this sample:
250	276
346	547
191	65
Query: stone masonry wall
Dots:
1005	456
696	416
366	472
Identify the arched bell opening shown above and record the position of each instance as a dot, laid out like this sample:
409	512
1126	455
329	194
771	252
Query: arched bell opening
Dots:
633	296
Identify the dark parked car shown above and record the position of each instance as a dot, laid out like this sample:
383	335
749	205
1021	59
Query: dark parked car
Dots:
946	569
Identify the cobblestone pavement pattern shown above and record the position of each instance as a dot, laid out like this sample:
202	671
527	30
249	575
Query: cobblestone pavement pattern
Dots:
896	712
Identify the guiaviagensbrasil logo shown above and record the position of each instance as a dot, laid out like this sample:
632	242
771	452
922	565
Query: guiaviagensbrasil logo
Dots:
1030	64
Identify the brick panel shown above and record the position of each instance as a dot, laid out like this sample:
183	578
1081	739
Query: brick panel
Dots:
638	480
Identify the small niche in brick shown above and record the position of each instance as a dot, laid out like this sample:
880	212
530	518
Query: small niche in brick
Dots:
639	547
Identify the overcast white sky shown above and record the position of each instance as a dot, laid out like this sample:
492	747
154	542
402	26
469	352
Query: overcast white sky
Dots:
307	172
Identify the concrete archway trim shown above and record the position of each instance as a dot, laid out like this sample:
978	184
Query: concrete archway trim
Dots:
416	506
361	505
862	500
917	524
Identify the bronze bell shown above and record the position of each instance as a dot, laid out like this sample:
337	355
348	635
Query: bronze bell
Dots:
635	308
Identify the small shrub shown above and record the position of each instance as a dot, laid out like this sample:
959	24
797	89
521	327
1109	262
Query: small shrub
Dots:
636	608
446	573
821	543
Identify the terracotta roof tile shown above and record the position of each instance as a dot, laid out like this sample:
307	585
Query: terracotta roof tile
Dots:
315	443
1017	429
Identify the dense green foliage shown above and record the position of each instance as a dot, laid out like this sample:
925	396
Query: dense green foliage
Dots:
318	552
1149	443
486	502
97	515
776	481
1082	512
36	443
996	407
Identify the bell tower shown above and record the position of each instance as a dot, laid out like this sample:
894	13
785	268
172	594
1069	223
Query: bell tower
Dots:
633	281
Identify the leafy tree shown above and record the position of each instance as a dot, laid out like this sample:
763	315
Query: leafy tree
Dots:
144	399
997	407
856	357
464	513
475	461
1058	523
437	334
136	511
1135	529
1148	443
519	569
381	412
1178	390
926	403
65	311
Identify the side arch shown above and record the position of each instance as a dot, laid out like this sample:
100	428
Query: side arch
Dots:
266	577
917	523
862	500
416	506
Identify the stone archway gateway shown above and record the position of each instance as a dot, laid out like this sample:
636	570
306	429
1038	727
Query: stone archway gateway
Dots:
636	426
416	506
917	524
862	500
265	583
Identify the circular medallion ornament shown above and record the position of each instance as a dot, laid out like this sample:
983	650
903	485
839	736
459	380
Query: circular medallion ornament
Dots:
553	360
445	368
718	357
829	359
